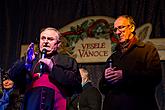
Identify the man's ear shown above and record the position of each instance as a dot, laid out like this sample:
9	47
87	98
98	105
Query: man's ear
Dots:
132	28
59	43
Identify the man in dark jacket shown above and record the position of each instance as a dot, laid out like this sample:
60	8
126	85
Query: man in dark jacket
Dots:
48	77
89	99
132	72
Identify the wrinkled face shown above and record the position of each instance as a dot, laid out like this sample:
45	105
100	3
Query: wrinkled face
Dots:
123	29
49	40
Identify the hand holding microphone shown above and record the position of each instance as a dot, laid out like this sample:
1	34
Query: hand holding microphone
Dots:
112	75
45	62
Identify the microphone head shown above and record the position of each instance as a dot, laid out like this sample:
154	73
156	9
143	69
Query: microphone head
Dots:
44	51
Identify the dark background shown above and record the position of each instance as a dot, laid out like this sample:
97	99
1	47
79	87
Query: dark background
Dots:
21	21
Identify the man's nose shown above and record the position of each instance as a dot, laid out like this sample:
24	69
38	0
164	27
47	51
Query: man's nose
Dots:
118	31
45	43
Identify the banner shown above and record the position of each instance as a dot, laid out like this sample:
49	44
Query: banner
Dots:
88	39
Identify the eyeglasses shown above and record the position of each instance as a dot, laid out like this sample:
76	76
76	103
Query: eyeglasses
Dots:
120	28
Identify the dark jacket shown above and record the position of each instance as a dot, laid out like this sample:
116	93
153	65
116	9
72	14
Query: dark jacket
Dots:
141	74
64	75
15	100
89	99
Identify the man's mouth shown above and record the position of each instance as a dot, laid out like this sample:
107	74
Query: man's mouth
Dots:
45	46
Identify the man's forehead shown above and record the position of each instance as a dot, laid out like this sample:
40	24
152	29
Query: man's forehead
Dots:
49	33
121	21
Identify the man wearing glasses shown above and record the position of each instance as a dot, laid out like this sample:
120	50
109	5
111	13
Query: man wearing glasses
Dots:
129	84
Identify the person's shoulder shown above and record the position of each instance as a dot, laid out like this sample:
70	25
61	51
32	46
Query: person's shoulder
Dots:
65	57
145	44
88	86
92	91
149	43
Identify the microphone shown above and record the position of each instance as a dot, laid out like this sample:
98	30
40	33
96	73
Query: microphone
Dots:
43	55
110	63
41	66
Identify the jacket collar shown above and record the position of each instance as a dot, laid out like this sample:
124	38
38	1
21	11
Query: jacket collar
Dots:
140	44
